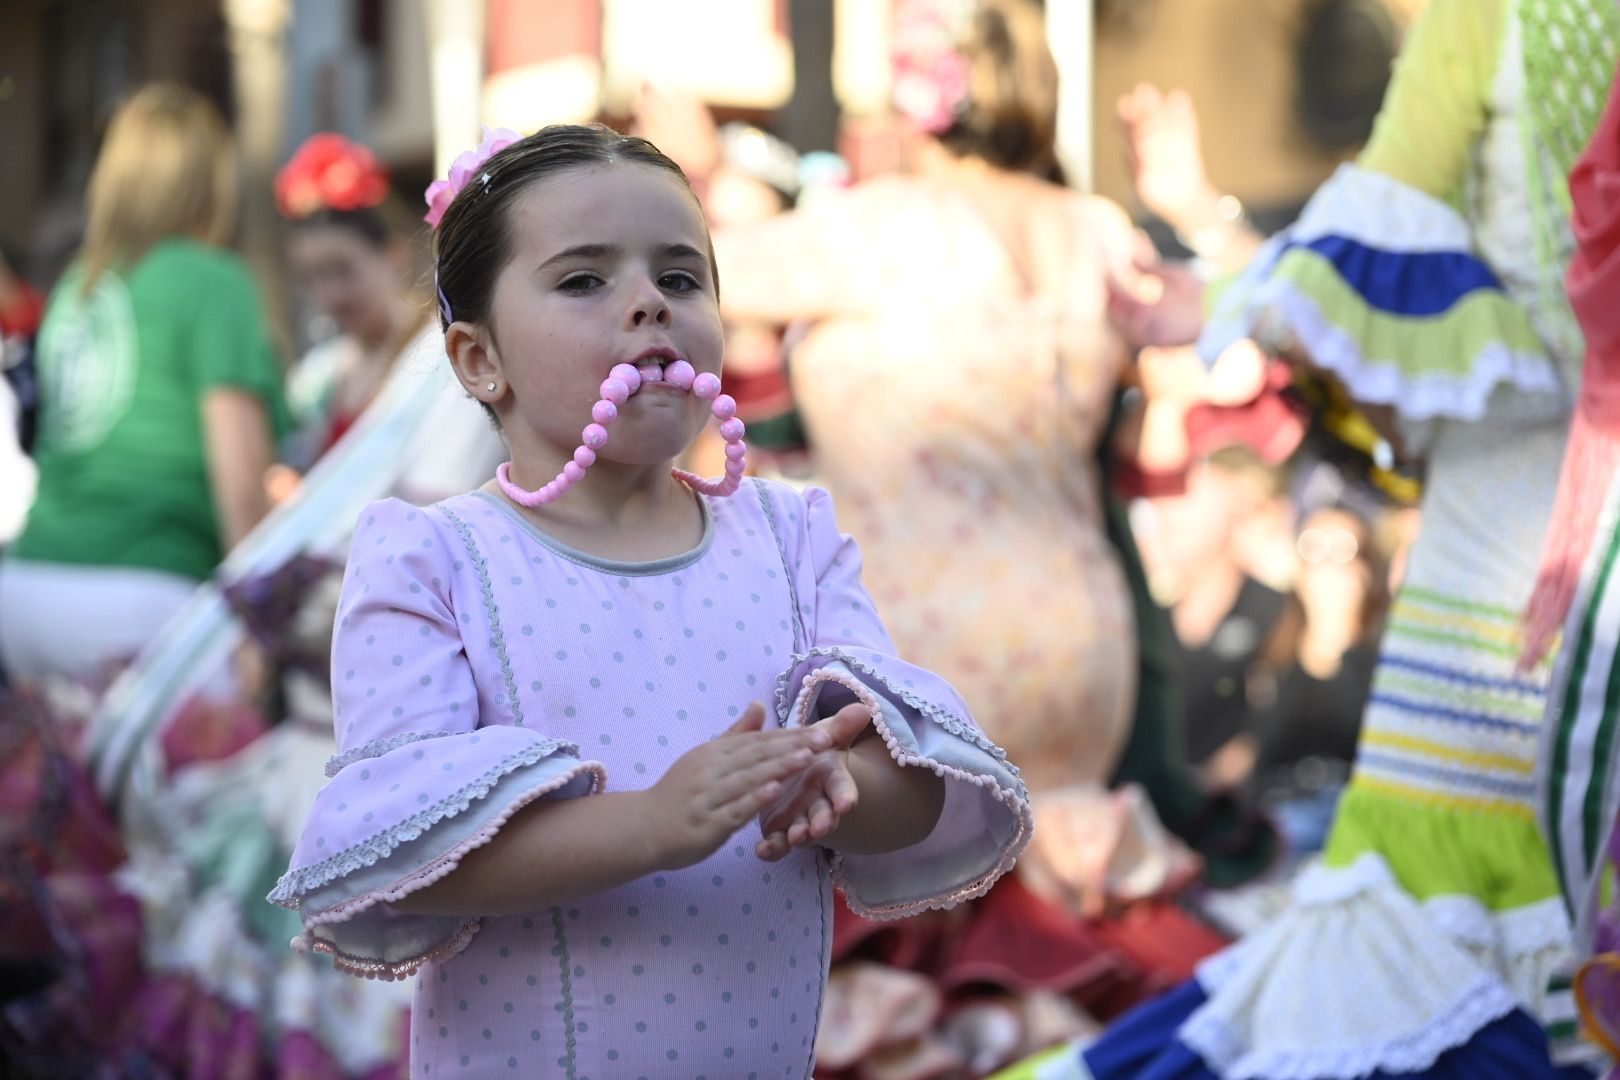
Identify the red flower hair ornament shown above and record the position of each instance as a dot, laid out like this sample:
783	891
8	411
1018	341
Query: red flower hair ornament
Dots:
329	172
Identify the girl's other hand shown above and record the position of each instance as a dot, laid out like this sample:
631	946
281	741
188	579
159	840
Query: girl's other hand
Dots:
817	800
716	788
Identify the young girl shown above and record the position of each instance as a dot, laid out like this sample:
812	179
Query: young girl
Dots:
549	760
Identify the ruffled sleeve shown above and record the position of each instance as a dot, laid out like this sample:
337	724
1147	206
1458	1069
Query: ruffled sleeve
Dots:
1378	282
921	719
420	778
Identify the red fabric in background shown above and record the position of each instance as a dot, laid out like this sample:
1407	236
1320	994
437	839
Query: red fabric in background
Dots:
1593	284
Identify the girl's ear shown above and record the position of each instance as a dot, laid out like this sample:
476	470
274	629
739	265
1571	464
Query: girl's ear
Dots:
476	362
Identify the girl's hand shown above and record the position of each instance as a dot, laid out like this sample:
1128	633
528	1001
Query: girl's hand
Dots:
716	788
819	797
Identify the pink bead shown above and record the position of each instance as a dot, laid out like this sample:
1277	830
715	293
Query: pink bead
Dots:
585	457
732	430
574	472
594	436
706	386
651	373
626	374
680	374
604	412
736	466
724	407
736	451
614	390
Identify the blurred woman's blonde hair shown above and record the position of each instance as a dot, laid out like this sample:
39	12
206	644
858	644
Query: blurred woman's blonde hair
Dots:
167	168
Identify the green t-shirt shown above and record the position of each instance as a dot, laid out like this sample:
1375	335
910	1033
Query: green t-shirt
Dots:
123	472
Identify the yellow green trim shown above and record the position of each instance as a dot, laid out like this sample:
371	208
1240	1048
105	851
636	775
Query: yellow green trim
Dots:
1484	629
1440	637
1412	744
1461	696
1441	845
1441	600
1446	800
1445	345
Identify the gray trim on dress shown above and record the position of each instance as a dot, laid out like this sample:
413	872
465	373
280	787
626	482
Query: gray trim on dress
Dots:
801	636
571	1057
491	611
611	566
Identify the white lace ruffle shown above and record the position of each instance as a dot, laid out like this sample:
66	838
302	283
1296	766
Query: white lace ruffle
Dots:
378	747
1360	977
295	884
1380	211
948	721
1417	395
1016	800
1227	1052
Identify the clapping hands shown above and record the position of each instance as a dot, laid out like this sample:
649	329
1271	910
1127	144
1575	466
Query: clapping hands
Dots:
815	800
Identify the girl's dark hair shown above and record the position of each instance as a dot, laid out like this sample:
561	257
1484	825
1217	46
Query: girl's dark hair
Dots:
1010	116
473	241
369	224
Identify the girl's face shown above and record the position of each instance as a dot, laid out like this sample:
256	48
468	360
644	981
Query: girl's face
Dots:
346	277
609	266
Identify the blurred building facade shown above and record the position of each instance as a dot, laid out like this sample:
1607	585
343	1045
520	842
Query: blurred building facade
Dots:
413	78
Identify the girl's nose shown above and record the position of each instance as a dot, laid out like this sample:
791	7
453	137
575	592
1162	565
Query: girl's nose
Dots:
649	306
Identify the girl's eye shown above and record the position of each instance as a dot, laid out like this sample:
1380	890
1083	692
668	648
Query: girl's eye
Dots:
579	283
680	281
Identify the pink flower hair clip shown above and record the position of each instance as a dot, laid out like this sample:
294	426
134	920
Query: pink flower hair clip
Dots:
441	193
931	74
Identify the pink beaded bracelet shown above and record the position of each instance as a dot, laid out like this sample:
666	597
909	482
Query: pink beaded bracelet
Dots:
623	381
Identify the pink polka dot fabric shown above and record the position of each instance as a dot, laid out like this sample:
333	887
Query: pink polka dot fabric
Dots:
479	665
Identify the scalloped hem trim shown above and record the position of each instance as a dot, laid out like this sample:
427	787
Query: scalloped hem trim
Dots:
952	724
1516	932
1417	396
1358	203
444	864
1012	798
395	971
1483	1002
1514	937
295	884
378	747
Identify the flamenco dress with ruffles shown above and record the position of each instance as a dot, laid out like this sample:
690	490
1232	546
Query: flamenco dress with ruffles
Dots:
1426	277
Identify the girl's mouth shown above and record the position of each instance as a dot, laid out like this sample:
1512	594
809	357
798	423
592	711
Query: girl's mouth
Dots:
651	363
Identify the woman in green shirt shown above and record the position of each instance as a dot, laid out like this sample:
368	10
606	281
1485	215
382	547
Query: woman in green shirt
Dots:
159	395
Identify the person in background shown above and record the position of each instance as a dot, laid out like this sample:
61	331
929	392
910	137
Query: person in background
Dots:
1224	599
753	178
354	263
1314	674
160	400
21	309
